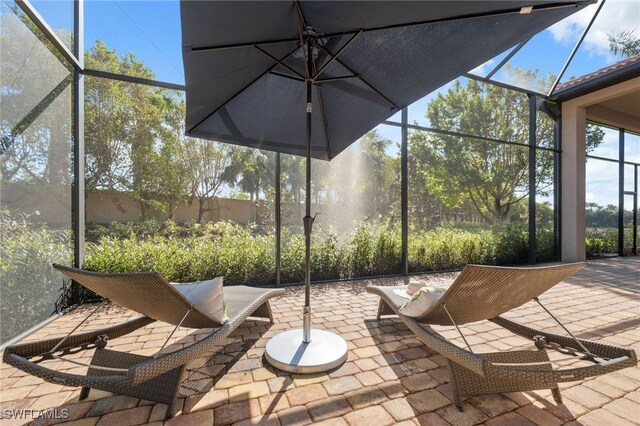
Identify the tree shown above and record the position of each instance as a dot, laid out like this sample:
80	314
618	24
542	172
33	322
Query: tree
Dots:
251	170
624	43
457	172
379	185
174	169
208	161
132	134
293	178
36	94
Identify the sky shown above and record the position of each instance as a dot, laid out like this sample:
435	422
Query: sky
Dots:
151	31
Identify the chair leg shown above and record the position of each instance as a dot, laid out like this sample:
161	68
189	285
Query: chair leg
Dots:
264	311
171	406
84	393
384	309
171	410
557	397
454	388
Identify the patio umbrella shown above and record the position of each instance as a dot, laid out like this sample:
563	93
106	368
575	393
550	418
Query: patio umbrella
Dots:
253	70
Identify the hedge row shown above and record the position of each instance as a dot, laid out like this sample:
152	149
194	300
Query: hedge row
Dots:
245	256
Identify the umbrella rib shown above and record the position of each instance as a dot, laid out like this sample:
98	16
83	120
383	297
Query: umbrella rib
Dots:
517	11
278	61
338	53
287	76
241	45
302	24
361	79
330	79
240	91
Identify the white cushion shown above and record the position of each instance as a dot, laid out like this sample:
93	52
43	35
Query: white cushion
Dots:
415	286
207	296
421	301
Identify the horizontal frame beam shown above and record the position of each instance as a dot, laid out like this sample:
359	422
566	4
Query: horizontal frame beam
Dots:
131	79
504	85
33	14
465	135
612	160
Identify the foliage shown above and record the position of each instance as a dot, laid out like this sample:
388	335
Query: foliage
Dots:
245	256
601	242
221	249
251	170
491	176
624	43
446	249
35	124
30	286
132	134
474	176
208	161
598	216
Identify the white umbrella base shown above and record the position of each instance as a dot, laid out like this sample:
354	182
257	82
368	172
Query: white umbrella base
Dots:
287	352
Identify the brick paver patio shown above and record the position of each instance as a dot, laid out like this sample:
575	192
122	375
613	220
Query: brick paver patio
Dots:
389	377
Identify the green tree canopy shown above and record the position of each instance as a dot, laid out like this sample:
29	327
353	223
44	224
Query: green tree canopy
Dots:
624	43
453	172
132	134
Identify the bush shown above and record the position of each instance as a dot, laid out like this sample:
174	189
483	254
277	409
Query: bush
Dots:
601	241
511	243
545	244
30	286
372	250
446	249
223	249
245	254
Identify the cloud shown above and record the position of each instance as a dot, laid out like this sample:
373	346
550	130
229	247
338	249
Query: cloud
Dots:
483	69
616	15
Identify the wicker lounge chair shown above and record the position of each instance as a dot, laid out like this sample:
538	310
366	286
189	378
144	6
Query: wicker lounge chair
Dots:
485	293
155	378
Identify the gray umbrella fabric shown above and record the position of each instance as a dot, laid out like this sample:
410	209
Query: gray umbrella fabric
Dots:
254	68
400	51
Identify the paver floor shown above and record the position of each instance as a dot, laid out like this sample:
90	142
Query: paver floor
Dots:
389	377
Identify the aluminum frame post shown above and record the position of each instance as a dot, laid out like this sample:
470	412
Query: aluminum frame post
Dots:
404	197
532	178
620	192
278	220
635	209
78	218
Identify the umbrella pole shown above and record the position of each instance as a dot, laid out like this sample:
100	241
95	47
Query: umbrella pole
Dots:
293	350
308	219
308	222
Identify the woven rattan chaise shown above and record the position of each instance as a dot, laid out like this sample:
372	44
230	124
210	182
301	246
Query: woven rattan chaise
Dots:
156	378
484	293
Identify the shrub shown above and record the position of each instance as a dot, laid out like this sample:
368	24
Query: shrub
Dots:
601	241
245	254
224	249
30	286
510	244
372	250
545	244
446	248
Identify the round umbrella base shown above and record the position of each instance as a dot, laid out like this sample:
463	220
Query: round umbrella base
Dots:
287	352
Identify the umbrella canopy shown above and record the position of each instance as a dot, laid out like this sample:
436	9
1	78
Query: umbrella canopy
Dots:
254	68
245	62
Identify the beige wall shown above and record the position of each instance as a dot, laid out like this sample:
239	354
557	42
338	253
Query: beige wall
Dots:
52	205
110	206
105	207
574	115
48	204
